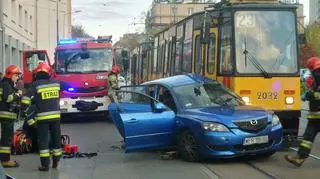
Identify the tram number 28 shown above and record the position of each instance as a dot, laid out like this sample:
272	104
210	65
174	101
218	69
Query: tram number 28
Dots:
268	95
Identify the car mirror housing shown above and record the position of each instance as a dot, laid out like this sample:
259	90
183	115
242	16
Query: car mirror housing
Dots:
159	107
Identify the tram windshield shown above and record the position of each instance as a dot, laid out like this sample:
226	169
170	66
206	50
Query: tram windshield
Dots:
266	42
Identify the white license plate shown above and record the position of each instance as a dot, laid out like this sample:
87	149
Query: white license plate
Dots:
256	140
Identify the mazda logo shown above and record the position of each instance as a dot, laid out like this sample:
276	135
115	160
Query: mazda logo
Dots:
254	122
86	84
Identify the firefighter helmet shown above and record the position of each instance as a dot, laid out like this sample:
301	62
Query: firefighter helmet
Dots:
116	69
12	70
313	63
42	67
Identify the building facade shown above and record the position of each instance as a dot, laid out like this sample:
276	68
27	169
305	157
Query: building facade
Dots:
314	11
31	24
164	13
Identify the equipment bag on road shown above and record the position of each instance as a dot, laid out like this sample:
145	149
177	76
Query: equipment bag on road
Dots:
23	142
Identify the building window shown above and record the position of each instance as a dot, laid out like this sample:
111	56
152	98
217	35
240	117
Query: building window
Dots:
190	11
13	10
20	15
25	20
31	24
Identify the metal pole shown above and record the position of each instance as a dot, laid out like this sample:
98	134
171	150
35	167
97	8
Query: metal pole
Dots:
58	21
2	41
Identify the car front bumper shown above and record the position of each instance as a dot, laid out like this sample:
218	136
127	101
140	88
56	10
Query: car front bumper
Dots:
93	104
230	144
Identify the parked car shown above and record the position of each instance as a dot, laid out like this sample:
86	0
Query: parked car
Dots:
198	116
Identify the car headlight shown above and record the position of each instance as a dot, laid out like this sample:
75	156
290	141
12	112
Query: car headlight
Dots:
275	120
214	127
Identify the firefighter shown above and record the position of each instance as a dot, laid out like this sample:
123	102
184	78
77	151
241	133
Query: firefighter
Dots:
113	82
44	94
313	126
8	98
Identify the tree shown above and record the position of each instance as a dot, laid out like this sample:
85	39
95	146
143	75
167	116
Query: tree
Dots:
313	36
306	51
78	31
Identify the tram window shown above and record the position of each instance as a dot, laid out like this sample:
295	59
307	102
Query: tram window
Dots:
178	57
198	56
155	55
211	53
226	65
166	59
187	59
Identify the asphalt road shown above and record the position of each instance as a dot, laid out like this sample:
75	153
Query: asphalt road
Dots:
113	163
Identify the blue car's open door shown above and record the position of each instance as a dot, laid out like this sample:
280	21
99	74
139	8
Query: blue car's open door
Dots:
142	121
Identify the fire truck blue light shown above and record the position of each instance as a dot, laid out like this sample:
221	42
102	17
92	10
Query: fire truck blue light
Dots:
70	89
67	41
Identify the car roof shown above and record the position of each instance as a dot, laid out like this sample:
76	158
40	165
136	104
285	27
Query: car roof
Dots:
181	80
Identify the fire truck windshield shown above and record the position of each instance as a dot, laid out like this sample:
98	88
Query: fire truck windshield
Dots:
83	61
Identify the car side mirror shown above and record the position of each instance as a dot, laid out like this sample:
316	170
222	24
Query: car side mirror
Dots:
159	107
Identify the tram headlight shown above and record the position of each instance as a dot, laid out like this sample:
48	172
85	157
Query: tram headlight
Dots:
289	100
246	99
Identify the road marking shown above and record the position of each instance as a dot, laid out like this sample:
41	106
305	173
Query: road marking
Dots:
313	156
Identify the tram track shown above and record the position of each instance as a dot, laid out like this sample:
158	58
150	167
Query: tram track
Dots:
265	173
230	170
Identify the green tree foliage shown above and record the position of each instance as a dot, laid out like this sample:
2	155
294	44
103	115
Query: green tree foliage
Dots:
313	36
78	31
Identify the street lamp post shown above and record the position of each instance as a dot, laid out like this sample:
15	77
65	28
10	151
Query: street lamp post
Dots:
1	36
58	21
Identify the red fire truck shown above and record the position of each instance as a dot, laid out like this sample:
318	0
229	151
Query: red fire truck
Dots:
83	66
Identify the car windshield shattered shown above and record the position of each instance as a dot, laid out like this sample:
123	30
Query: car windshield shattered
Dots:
206	95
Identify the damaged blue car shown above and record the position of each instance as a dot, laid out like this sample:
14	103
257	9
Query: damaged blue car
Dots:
197	115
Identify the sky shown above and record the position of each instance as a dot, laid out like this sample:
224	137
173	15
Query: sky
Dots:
116	17
110	17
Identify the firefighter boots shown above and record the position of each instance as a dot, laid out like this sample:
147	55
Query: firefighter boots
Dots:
55	161
44	164
295	160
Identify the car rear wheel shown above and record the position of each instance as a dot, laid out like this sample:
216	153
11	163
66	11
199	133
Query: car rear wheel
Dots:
188	147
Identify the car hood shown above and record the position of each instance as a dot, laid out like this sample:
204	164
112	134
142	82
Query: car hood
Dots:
225	114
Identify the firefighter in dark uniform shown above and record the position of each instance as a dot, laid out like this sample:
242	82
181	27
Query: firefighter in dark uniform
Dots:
113	82
44	94
313	126
9	96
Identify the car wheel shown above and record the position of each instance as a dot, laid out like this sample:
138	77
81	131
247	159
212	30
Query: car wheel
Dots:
188	147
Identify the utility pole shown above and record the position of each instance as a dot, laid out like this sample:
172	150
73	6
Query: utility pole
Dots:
58	21
1	36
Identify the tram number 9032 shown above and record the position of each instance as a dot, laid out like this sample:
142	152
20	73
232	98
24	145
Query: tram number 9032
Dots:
268	95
